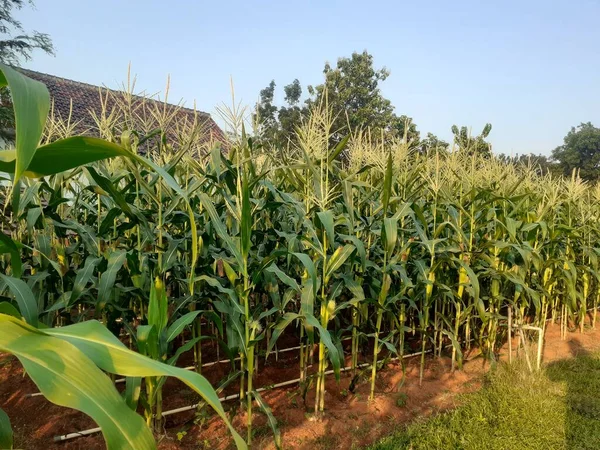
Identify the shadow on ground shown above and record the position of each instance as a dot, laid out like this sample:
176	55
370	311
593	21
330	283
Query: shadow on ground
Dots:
581	375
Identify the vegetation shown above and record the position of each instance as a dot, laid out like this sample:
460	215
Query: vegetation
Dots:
360	236
580	151
561	404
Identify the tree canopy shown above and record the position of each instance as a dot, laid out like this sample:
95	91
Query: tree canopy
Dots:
580	151
17	45
464	141
351	90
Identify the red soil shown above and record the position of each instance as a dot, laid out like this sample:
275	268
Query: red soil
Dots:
350	420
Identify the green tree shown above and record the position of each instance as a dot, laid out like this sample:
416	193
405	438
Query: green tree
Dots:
580	151
352	91
405	128
276	126
432	143
541	163
16	45
473	144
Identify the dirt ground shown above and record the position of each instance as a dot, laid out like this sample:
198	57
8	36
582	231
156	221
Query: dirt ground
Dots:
350	420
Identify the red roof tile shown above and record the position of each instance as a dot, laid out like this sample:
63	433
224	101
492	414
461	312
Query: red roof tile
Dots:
86	100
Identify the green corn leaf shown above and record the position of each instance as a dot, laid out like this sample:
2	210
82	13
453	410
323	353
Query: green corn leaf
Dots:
7	245
334	355
246	220
109	187
9	310
31	103
220	228
338	258
279	328
107	280
63	155
67	377
133	388
270	418
177	327
83	277
326	218
215	159
309	265
158	306
339	148
390	234
283	277
102	347
387	184
147	341
24	298
6	433
360	249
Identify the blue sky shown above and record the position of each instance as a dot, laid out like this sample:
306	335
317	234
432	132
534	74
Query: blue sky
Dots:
531	68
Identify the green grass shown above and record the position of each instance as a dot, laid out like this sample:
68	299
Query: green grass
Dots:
556	409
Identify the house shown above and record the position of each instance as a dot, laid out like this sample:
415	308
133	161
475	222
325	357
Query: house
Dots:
98	111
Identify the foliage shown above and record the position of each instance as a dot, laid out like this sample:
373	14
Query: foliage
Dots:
542	164
351	89
388	247
580	151
65	363
14	48
277	126
433	144
473	144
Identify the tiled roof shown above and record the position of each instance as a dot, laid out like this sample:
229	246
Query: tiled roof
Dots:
86	101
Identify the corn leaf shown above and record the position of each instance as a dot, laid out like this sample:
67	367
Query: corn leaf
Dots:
6	433
111	355
31	104
24	298
67	377
107	280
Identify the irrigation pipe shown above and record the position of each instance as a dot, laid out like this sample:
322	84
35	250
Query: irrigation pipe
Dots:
66	437
209	364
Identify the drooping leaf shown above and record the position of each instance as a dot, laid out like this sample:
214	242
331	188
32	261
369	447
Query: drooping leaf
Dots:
67	377
338	258
102	347
107	279
24	298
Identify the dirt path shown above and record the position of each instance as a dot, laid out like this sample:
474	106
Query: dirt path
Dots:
350	420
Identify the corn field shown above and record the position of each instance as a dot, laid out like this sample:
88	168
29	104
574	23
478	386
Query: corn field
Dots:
121	254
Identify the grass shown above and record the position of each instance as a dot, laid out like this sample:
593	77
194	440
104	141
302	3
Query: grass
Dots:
556	409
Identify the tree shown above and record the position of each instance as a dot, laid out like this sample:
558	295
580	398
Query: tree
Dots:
352	91
432	143
16	45
14	48
580	151
405	128
277	126
540	163
473	144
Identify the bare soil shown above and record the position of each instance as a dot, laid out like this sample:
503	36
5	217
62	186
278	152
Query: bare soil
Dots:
350	420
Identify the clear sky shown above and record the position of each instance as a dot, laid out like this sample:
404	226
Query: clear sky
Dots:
531	68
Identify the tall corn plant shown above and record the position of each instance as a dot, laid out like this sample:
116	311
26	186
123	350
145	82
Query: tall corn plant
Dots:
65	362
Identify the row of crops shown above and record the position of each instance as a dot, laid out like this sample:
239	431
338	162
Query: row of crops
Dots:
113	262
